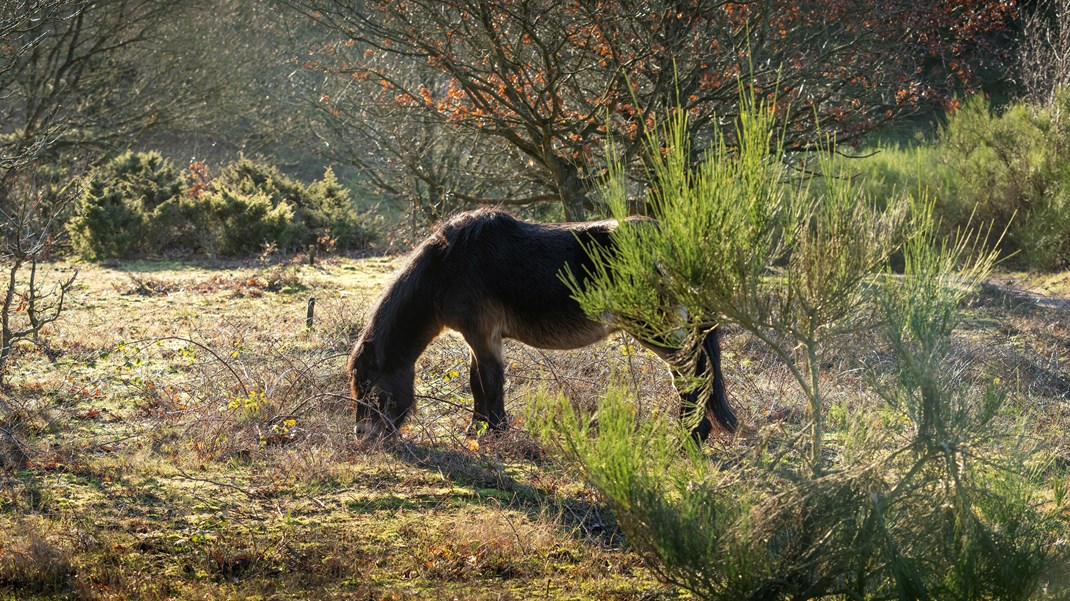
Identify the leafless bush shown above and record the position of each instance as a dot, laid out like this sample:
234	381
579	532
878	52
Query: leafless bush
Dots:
27	304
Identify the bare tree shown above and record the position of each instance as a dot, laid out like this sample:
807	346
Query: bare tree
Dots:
552	79
27	304
84	74
1044	54
20	35
418	157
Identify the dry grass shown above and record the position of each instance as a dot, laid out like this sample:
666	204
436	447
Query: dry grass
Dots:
33	560
186	436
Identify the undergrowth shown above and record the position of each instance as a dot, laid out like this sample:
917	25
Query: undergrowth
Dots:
1007	169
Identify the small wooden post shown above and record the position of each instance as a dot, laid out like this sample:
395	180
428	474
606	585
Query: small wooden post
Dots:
308	312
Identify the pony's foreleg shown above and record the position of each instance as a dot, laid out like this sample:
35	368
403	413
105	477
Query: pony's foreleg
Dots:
479	397
487	377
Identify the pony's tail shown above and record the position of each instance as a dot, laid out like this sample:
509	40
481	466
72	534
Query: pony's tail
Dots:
718	400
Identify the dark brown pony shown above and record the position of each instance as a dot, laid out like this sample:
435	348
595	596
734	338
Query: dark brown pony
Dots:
491	277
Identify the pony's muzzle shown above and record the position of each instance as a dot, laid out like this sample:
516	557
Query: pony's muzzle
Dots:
366	427
372	422
374	430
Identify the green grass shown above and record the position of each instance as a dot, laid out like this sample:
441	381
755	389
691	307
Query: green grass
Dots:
128	473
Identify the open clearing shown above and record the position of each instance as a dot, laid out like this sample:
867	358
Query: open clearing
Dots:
181	434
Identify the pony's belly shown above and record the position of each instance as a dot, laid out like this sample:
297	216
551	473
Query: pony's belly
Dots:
560	335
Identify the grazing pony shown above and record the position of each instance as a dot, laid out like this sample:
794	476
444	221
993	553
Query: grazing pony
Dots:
490	277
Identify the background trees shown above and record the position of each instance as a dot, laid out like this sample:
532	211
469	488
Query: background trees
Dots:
91	74
549	79
76	77
444	104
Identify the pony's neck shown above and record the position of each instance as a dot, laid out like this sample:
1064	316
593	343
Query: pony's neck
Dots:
401	328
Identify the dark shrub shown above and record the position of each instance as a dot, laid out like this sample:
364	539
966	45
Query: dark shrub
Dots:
240	223
331	215
137	203
117	213
323	212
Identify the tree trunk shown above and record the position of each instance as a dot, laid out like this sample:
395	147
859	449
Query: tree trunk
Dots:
571	188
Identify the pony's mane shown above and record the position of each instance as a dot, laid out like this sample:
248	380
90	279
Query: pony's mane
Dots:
465	228
457	232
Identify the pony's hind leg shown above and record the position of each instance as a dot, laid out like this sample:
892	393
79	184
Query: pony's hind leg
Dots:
708	371
479	397
697	377
487	377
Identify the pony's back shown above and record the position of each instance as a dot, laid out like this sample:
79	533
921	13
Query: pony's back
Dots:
494	267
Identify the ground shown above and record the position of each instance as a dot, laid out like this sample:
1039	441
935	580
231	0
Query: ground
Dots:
181	433
189	437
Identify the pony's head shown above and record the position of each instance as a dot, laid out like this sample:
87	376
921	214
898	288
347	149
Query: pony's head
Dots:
383	396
